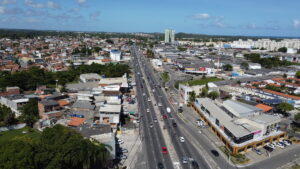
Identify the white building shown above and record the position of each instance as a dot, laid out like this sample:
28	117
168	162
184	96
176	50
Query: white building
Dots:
170	36
14	102
254	66
90	77
267	44
115	55
110	114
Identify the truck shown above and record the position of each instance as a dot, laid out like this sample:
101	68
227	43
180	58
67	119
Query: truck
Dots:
168	110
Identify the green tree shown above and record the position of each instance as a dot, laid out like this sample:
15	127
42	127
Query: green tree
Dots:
283	50
284	107
213	95
297	117
245	65
298	74
204	92
192	97
109	41
30	113
227	67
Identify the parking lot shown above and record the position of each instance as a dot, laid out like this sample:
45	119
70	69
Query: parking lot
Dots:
131	145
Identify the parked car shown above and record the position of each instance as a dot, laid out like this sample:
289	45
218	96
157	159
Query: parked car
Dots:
164	150
257	151
122	156
181	139
123	150
272	145
269	149
155	120
120	141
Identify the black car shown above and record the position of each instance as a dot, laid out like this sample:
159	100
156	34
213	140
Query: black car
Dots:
215	153
269	149
174	124
160	166
195	165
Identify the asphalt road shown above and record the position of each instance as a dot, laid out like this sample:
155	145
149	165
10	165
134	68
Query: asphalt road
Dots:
185	149
152	136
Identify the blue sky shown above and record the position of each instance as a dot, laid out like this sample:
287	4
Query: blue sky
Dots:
218	17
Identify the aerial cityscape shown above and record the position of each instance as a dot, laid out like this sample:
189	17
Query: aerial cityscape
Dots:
175	84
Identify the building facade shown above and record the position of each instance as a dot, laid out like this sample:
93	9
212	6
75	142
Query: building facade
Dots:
170	36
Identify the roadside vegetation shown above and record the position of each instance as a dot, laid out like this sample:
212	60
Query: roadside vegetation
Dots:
165	76
237	158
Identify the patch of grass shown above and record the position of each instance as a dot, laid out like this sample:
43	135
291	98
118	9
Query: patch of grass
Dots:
29	135
202	81
237	158
296	166
165	76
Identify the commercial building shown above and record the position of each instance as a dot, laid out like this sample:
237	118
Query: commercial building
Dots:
89	77
170	36
14	102
110	114
239	126
115	55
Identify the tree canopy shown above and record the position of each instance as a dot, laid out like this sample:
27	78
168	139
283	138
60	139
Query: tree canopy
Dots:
7	117
30	112
283	50
227	67
57	147
285	107
34	77
213	95
267	62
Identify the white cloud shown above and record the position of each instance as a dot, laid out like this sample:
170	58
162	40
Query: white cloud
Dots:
53	5
33	4
6	2
219	22
81	1
201	16
95	15
296	23
2	9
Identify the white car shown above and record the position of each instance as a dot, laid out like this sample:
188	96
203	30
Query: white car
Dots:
120	141
286	142
271	145
148	110
159	104
181	139
149	99
144	94
279	145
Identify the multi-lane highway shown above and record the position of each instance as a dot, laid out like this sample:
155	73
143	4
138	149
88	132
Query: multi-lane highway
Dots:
150	132
145	79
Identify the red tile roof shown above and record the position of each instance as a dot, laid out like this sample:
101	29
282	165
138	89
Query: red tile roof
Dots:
282	94
76	121
264	107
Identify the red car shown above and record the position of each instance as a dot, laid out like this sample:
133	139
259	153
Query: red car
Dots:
164	150
165	116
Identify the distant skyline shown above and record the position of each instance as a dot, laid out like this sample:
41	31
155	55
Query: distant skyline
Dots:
212	17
